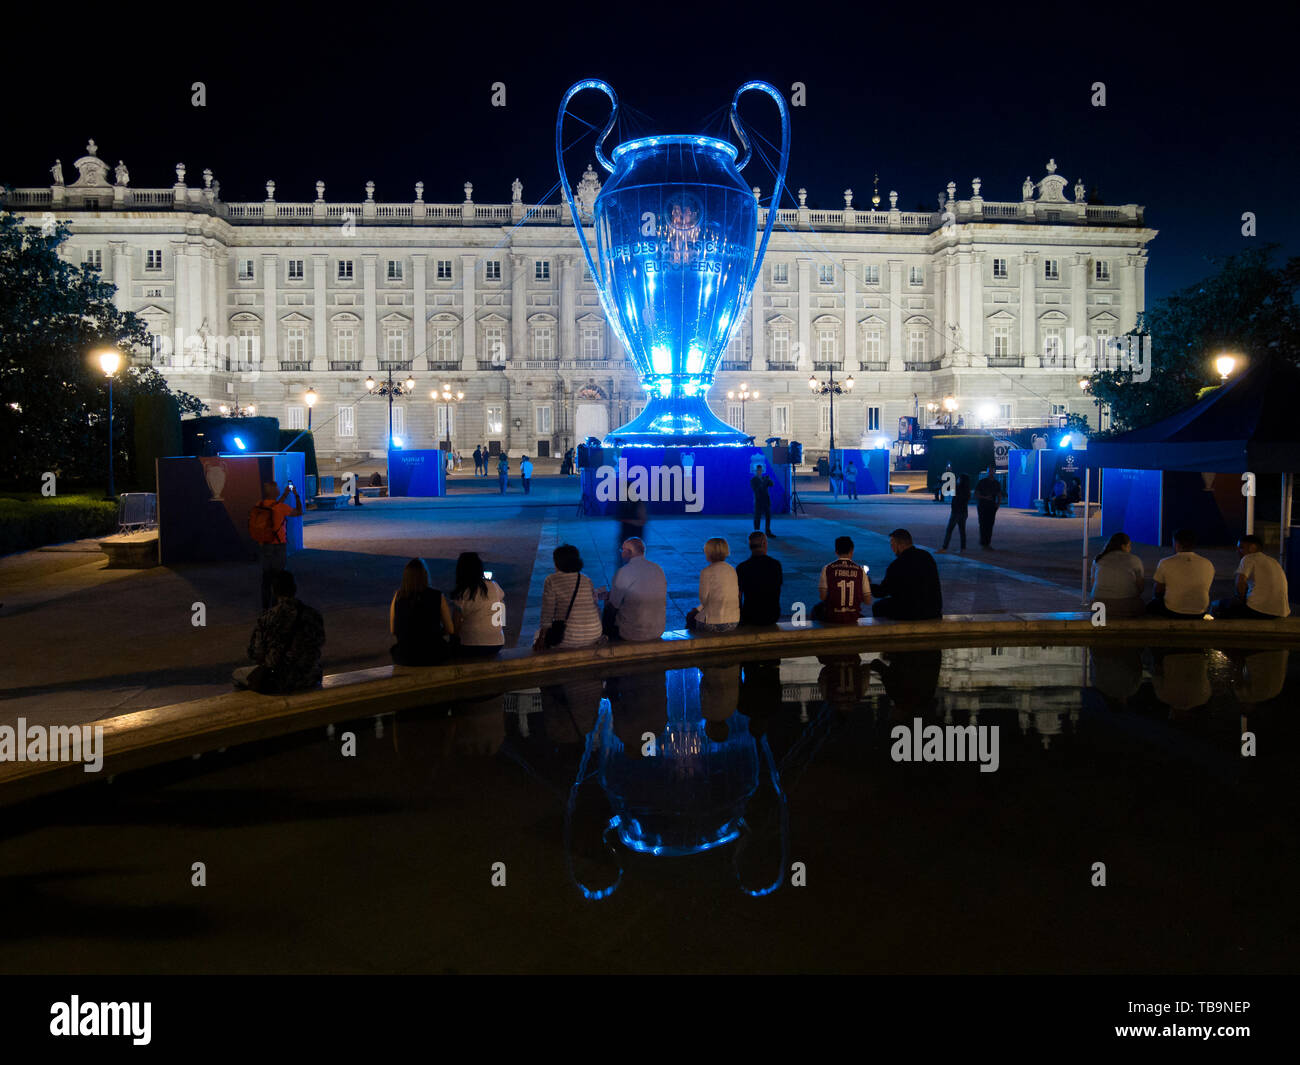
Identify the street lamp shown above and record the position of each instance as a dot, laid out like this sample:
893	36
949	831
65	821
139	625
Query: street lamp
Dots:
236	411
1225	364
1086	386
950	408
817	388
448	397
987	413
744	395
110	362
310	399
390	389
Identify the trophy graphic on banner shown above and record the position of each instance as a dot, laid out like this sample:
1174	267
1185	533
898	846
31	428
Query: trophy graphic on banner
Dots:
676	228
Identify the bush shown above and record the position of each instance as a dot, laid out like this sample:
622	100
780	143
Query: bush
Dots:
26	523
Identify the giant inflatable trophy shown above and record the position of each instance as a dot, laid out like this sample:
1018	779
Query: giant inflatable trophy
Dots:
676	228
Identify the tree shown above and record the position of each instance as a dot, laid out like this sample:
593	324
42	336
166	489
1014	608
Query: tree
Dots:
53	397
1247	308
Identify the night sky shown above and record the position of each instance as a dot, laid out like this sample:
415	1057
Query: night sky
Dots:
1199	124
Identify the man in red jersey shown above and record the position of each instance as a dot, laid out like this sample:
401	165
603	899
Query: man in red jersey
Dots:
843	587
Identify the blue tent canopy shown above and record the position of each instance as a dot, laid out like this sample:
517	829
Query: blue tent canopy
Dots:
1252	424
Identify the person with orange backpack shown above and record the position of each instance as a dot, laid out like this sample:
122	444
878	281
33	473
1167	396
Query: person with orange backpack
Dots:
266	525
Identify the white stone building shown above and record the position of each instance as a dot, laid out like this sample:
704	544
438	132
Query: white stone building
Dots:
1002	305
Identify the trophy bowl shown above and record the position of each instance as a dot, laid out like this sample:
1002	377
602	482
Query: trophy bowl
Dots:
677	253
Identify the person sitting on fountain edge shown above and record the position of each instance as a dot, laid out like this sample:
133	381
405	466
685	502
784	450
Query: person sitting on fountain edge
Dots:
910	590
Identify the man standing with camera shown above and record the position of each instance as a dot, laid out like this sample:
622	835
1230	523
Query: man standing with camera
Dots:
266	525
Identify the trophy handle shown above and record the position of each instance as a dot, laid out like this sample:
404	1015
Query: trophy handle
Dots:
577	87
771	91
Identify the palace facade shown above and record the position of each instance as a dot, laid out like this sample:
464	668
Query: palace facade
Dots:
1002	305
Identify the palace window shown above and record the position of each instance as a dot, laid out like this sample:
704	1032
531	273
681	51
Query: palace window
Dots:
590	342
1004	413
295	347
494	344
916	275
871	346
347	425
781	419
492	270
544	419
295	416
495	419
444	270
248	344
1102	270
871	275
396	344
826	419
541	269
1000	269
780	273
1051	270
245	269
399	420
1052	344
542	348
94	259
153	259
735	414
296	272
1001	340
442	343
826	345
394	269
781	345
873	419
916	345
345	345
826	274
345	269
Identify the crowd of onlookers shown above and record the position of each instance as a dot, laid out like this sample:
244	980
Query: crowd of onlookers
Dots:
430	627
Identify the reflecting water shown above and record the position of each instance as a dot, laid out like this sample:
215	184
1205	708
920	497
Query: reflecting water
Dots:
766	794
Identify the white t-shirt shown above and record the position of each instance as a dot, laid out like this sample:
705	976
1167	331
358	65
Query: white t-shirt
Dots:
1266	589
1116	576
477	617
1187	577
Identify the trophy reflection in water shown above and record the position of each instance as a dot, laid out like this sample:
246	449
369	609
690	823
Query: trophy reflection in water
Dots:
677	254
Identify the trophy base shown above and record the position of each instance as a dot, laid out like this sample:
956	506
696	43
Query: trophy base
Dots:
683	421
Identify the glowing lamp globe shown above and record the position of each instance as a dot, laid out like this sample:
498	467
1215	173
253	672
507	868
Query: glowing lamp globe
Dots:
677	255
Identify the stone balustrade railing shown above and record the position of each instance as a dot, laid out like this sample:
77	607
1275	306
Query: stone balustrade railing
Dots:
469	213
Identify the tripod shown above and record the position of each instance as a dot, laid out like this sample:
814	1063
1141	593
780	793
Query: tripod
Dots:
796	504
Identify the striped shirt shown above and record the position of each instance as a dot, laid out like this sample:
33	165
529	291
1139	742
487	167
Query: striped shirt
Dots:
583	626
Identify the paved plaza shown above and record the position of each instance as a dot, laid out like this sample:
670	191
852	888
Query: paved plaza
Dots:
83	642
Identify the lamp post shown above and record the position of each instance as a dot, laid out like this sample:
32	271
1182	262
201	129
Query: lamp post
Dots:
949	408
390	388
448	397
310	398
110	362
1225	364
818	388
235	410
744	395
1086	386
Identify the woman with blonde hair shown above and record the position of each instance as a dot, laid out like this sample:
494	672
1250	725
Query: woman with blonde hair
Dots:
719	609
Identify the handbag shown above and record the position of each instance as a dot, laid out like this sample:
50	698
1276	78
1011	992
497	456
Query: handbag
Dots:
555	634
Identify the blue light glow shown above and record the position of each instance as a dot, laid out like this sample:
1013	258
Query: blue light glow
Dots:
678	251
397	443
1065	441
239	444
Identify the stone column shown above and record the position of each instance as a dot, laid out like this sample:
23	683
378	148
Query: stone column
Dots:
270	314
951	292
220	266
214	311
757	334
965	313
320	313
850	315
469	312
1079	307
1029	310
518	309
897	351
194	257
1139	285
1128	294
421	313
805	359
370	327
939	337
568	332
121	273
976	342
181	324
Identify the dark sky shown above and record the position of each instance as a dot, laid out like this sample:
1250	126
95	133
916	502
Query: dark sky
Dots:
1199	124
